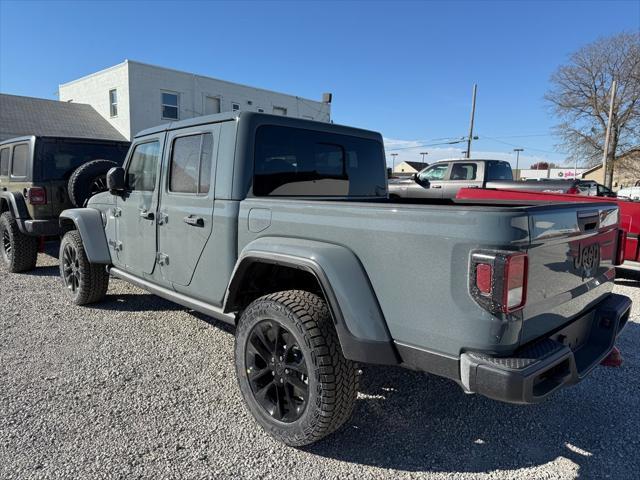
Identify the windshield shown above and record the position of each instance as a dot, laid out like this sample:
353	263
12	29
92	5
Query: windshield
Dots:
60	158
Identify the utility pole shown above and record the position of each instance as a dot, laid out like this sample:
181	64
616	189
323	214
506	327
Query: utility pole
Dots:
473	114
423	154
608	178
394	155
518	150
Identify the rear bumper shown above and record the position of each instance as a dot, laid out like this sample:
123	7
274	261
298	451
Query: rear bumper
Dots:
542	367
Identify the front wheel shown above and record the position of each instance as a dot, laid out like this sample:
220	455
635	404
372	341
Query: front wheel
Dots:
84	281
290	367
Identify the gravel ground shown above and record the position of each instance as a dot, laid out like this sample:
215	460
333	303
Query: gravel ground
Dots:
137	387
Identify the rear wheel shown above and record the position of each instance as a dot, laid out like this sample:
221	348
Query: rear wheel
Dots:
84	281
290	367
18	252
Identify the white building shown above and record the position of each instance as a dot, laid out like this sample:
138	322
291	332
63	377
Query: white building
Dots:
561	173
133	96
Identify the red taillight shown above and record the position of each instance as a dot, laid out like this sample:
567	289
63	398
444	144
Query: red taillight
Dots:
484	276
515	283
37	196
499	280
622	242
573	191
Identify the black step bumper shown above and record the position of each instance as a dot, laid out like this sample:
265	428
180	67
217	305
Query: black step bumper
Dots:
540	368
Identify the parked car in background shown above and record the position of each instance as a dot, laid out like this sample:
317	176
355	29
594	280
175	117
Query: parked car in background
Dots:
39	178
443	179
283	227
630	193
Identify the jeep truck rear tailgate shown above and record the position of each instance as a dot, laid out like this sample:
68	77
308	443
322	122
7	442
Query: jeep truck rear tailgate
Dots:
572	249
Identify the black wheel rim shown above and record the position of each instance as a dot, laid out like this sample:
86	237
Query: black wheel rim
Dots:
98	185
71	268
277	371
6	244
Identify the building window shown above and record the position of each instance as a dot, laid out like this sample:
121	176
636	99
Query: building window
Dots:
113	102
235	107
280	111
170	106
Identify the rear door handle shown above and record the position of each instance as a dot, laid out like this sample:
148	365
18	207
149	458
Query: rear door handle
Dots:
146	214
194	221
437	186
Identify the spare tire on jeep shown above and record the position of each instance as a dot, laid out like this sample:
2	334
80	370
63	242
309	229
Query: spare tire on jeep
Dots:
89	180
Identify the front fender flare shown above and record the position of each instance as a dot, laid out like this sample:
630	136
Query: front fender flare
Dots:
88	222
360	324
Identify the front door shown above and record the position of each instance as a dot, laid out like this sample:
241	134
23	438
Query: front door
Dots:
185	218
430	182
136	210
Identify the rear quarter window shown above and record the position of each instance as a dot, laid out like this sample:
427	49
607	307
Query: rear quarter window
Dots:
4	162
20	160
297	162
499	171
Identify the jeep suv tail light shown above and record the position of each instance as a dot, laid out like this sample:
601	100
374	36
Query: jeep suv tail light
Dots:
498	280
37	196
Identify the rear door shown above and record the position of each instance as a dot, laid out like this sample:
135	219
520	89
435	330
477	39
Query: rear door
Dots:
185	219
136	210
463	175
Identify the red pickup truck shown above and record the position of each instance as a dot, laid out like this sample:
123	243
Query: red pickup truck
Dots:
629	211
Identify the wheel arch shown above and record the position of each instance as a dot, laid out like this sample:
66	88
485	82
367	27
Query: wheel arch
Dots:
14	202
88	222
340	279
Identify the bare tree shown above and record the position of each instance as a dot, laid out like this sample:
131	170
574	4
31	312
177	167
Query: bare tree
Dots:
580	97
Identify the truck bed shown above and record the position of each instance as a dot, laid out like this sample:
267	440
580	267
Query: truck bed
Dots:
426	299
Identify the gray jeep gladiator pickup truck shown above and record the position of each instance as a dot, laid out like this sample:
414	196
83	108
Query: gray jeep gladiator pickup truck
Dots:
283	227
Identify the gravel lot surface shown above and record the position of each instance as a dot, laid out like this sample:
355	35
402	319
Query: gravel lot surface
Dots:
137	387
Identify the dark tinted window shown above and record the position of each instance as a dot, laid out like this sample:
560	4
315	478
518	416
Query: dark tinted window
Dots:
4	162
60	158
191	164
499	171
297	162
143	167
20	160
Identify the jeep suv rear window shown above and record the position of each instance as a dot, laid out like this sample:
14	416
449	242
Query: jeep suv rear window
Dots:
20	160
60	158
297	162
4	162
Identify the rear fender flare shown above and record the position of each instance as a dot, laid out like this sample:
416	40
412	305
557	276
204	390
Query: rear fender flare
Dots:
358	318
14	203
88	222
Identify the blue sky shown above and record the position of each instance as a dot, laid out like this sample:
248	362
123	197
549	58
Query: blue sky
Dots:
405	69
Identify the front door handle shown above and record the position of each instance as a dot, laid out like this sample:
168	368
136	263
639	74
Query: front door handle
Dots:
436	186
147	215
194	221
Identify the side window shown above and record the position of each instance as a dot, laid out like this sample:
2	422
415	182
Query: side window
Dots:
4	162
20	160
143	167
498	171
435	172
463	171
190	170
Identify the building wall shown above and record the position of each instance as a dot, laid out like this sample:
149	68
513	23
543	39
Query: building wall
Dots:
140	88
404	167
554	173
94	90
626	171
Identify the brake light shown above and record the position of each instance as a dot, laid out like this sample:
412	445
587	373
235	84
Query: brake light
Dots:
622	242
499	280
573	191
37	196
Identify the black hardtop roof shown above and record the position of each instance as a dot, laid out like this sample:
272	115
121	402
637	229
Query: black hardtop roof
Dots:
262	118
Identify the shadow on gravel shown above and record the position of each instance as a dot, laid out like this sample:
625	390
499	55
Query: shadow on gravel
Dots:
50	271
417	422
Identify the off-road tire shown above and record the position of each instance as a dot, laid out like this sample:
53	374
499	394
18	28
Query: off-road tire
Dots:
88	180
92	279
18	252
332	379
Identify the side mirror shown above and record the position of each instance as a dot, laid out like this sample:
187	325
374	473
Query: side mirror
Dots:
115	180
